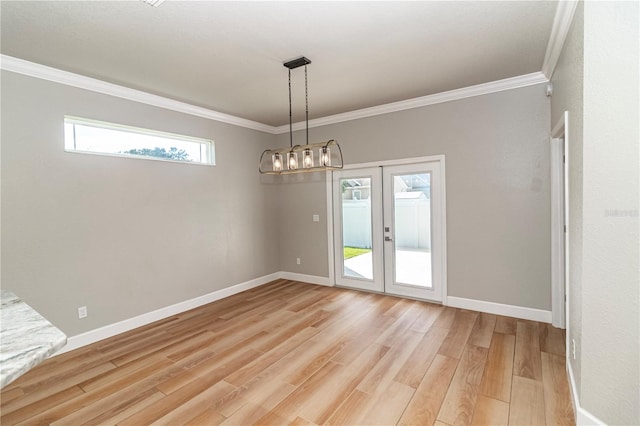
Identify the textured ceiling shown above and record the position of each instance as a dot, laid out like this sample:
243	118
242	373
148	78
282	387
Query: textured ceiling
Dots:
227	56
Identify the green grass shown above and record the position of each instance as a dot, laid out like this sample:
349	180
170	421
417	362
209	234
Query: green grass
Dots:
350	252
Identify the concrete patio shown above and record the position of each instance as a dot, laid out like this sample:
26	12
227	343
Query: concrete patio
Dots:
412	267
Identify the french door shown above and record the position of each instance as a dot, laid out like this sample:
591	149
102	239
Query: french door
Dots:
388	229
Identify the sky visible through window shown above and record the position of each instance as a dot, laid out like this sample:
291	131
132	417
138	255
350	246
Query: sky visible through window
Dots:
89	138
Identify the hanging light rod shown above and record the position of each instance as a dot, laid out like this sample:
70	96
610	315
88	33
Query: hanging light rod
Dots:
285	160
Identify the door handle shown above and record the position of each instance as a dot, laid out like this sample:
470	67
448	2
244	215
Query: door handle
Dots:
388	239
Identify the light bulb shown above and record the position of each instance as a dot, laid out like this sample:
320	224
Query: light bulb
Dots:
325	156
307	158
277	162
293	160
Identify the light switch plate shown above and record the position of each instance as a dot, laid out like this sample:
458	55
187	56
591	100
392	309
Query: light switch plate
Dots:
316	218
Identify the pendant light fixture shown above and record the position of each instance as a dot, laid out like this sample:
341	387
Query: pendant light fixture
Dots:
301	158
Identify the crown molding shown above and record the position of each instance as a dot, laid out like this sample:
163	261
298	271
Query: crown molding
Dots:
43	72
561	26
55	75
451	95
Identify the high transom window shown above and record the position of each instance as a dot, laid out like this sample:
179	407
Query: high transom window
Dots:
97	137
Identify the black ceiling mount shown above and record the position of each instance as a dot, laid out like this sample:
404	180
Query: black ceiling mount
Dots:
297	63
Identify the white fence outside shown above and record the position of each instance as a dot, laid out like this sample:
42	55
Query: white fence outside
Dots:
413	223
356	223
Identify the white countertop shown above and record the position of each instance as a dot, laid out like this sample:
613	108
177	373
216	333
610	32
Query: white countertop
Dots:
26	338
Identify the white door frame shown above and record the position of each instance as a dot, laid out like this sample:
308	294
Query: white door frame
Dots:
559	142
377	244
391	286
443	212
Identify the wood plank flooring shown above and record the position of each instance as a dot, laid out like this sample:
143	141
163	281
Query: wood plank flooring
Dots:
299	354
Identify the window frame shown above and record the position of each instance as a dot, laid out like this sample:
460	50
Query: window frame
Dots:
74	120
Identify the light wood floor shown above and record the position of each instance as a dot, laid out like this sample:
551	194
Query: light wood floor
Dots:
293	353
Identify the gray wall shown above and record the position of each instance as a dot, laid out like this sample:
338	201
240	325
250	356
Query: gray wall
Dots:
567	96
119	235
597	81
611	285
497	176
302	196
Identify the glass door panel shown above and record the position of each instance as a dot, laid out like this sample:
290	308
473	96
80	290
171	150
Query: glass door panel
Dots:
412	229
356	228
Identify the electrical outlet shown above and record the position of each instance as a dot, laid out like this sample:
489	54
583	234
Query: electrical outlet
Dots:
573	348
82	312
298	260
316	218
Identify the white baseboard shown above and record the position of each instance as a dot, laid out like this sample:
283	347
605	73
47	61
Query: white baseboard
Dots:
500	309
312	279
583	417
80	340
